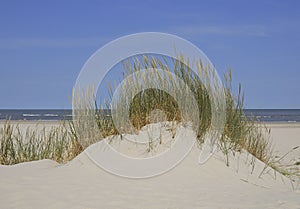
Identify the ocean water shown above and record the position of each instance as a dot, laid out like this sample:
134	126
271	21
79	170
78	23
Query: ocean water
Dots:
266	115
274	115
37	114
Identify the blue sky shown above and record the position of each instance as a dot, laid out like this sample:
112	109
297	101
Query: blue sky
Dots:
44	44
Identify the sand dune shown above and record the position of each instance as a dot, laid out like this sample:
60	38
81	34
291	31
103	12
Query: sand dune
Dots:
82	184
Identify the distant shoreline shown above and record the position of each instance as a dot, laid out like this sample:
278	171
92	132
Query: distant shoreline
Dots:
263	115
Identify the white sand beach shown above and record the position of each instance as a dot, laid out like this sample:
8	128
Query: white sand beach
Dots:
82	184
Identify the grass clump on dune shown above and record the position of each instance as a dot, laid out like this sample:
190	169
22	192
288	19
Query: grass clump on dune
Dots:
240	132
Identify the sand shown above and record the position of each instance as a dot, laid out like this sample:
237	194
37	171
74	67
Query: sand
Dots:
82	184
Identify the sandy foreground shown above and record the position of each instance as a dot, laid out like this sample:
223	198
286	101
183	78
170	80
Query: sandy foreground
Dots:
246	183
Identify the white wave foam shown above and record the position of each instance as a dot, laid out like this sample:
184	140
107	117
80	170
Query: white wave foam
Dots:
50	115
31	115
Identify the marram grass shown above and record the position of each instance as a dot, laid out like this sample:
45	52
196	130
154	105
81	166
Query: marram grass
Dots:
91	123
17	145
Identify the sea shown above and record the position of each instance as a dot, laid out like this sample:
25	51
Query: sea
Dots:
264	115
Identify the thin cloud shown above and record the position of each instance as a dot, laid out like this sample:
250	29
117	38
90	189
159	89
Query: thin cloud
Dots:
51	42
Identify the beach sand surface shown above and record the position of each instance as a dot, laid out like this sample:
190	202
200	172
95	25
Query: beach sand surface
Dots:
245	183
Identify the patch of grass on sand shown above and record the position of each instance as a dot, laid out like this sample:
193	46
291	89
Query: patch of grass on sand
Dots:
17	145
